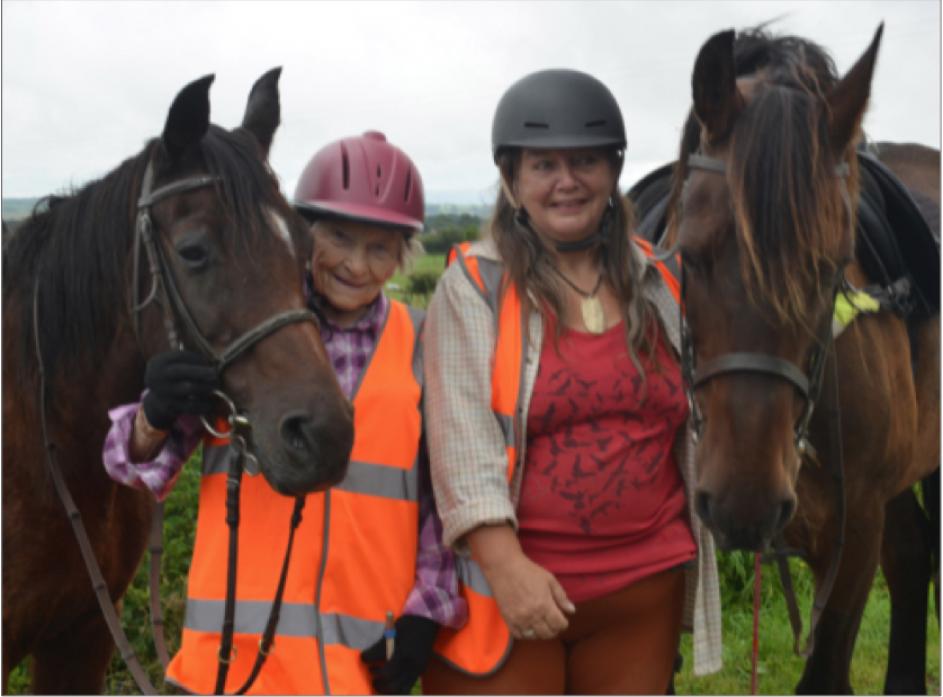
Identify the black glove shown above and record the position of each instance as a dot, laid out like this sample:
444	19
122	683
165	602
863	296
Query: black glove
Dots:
411	651
179	382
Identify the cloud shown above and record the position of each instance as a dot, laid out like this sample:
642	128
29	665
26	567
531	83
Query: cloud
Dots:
86	83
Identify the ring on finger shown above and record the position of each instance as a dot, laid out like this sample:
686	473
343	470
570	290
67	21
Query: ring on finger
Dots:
529	633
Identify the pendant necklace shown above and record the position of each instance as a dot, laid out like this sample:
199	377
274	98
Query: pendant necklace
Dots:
590	304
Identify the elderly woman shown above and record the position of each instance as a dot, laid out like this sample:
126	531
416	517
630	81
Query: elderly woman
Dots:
369	547
556	422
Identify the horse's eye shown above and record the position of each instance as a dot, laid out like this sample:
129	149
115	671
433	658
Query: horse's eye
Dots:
193	254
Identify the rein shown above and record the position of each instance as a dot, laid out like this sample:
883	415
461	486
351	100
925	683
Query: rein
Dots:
809	384
163	284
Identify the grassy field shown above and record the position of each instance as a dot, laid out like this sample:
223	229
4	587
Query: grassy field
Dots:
779	667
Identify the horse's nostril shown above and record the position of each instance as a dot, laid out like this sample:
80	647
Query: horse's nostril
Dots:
297	431
786	509
702	504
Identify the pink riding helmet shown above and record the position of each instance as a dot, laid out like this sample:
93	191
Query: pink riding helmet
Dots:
364	178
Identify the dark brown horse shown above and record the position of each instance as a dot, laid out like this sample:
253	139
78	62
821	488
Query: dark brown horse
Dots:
235	250
763	204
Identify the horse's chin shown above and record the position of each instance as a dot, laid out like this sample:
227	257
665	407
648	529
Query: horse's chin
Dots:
289	478
740	540
295	474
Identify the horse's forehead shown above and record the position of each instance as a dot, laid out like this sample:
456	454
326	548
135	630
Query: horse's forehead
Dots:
749	85
280	226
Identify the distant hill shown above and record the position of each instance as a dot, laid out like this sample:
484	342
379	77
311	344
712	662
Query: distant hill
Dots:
18	208
478	210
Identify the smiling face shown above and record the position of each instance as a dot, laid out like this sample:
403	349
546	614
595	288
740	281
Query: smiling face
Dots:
565	192
351	263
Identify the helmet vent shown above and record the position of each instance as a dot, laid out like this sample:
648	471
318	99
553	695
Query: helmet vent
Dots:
345	167
379	172
409	185
594	124
536	124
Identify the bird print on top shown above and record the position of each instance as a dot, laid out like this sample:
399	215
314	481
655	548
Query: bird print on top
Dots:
599	436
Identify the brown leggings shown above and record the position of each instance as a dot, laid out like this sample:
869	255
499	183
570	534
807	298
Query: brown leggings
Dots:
622	643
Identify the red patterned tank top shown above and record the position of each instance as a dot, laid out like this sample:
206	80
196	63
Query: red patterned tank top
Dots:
602	500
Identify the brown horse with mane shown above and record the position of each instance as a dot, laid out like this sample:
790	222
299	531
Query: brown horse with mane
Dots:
762	210
81	316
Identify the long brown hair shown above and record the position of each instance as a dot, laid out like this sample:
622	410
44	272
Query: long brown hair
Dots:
528	262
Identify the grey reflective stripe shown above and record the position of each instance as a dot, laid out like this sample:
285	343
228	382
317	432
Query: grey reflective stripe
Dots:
326	537
216	458
377	480
362	477
373	352
471	575
481	291
507	428
352	632
295	620
491	274
418	317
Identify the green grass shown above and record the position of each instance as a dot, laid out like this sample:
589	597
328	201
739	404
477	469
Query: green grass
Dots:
399	286
779	668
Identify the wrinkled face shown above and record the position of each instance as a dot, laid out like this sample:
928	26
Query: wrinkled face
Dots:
351	263
565	192
232	281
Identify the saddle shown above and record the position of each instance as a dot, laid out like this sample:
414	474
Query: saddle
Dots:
898	234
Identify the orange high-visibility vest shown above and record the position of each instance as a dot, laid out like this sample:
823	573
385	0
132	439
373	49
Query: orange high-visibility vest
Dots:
354	555
455	250
482	645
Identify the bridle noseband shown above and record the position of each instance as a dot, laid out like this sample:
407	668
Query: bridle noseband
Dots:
809	384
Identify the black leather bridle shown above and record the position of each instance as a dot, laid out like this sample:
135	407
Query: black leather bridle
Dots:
809	384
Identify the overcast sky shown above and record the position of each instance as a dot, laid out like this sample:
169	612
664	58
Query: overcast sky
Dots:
85	84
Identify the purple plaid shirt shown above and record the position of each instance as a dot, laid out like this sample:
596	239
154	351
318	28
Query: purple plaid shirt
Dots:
435	593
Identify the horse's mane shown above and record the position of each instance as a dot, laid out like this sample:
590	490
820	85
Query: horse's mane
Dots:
778	139
78	245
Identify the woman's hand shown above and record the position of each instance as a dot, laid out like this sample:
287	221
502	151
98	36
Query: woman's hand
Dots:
531	600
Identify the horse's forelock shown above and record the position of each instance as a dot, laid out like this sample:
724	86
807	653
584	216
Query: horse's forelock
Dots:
788	222
248	187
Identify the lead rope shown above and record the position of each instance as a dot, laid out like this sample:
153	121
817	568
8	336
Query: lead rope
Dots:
757	587
265	643
233	480
836	469
78	527
226	650
156	548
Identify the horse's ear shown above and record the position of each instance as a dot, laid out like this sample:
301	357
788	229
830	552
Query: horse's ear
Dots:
717	101
263	112
188	119
848	99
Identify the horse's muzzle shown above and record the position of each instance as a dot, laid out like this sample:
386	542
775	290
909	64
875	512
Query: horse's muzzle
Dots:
747	528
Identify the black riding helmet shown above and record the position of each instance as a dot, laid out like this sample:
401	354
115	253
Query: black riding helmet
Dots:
557	109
